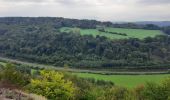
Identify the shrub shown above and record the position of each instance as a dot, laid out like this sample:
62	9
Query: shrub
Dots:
52	85
11	75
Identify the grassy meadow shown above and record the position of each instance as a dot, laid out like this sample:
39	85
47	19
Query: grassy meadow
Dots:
131	33
129	81
2	63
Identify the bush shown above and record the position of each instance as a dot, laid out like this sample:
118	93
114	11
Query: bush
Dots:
52	85
154	91
11	75
116	93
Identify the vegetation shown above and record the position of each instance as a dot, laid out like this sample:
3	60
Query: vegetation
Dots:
85	51
65	86
40	40
52	85
86	44
166	30
114	33
2	63
129	81
10	75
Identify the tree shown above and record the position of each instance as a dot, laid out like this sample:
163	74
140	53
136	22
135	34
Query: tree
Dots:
116	93
76	31
166	88
11	75
138	92
153	91
52	85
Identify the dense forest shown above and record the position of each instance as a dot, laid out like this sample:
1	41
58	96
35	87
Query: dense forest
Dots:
39	40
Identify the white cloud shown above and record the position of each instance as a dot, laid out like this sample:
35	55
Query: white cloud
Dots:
154	2
113	10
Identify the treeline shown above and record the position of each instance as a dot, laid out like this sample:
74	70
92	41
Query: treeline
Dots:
58	22
56	85
103	30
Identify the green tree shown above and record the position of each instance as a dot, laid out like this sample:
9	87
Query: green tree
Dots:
11	75
154	91
117	93
166	88
52	85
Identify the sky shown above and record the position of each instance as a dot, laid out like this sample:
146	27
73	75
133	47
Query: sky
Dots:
104	10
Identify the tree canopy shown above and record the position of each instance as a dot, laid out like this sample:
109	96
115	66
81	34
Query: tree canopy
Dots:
39	40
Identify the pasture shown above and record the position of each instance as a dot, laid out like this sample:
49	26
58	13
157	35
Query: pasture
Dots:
129	81
131	33
2	63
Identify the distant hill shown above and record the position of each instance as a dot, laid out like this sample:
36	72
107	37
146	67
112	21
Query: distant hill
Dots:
46	40
158	23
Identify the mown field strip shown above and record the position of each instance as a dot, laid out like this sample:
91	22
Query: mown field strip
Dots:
129	81
131	33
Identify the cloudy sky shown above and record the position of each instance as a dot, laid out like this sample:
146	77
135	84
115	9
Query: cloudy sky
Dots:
105	10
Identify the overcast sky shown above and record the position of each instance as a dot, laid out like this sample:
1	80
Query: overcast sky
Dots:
105	10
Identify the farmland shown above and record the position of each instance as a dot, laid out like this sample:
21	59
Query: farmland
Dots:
128	81
131	33
2	63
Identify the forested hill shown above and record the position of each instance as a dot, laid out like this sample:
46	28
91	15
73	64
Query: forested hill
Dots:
39	40
56	22
158	23
59	22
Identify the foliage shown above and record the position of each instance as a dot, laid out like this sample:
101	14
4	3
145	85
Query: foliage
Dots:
10	74
153	91
40	40
85	51
128	81
166	30
66	86
52	85
116	93
88	88
114	33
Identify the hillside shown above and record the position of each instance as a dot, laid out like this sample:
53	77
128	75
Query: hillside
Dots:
158	23
93	50
128	33
40	40
74	60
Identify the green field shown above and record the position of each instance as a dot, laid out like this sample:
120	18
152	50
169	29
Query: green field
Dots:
128	81
2	63
131	33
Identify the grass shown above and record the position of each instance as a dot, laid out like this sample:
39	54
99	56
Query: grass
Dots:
129	81
33	71
131	33
2	63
